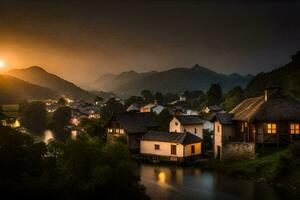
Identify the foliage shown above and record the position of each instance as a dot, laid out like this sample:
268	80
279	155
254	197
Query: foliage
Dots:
34	117
62	101
164	118
78	169
134	99
93	128
62	116
214	94
98	99
286	77
112	106
233	98
148	96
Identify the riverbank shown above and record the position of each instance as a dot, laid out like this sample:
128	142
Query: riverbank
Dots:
281	169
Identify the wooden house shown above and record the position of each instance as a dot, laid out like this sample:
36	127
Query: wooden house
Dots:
130	127
272	119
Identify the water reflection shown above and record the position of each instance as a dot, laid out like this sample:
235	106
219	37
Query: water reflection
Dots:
177	183
48	135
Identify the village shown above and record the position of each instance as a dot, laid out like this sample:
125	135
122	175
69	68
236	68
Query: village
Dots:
269	120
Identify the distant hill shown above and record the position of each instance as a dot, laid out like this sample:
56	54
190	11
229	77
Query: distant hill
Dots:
14	90
286	77
39	76
175	80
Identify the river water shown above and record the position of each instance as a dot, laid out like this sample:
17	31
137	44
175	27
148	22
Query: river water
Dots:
188	183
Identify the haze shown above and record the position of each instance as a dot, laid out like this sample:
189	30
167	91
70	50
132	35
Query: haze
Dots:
82	40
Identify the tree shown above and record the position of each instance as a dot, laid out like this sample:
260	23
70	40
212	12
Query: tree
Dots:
93	128
148	96
164	118
134	99
214	94
62	102
98	99
112	106
159	98
62	116
34	117
233	98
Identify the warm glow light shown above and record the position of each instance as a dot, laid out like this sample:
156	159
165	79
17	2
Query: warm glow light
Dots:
2	64
162	177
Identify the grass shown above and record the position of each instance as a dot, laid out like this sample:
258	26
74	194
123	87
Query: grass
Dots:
263	169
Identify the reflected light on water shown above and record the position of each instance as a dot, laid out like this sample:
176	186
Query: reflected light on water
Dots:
162	177
48	135
74	134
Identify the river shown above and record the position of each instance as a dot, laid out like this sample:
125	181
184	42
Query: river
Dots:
188	183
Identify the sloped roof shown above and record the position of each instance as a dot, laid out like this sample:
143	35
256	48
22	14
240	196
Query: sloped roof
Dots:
278	107
224	118
188	119
135	122
174	137
150	105
245	110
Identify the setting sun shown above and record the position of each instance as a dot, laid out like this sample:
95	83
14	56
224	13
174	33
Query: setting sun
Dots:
2	64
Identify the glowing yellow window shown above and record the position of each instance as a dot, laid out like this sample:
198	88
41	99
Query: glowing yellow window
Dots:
271	128
122	131
295	128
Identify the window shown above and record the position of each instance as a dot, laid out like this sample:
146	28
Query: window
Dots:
173	149
218	128
294	128
109	130
195	130
184	130
156	146
122	131
193	149
176	123
242	128
271	128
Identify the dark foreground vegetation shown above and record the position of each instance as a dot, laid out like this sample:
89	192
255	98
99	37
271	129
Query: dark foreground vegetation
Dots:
281	168
84	168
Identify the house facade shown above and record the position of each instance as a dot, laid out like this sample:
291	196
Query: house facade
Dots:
271	119
170	146
187	123
129	127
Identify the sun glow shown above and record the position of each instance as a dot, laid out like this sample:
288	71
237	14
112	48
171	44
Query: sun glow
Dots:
2	64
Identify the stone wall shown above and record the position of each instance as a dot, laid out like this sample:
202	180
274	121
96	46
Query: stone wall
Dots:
238	150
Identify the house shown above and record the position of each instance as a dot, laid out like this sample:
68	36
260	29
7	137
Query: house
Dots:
152	107
133	107
130	127
10	116
187	123
170	146
271	119
212	109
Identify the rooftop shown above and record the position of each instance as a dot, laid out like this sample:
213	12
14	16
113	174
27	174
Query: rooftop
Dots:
173	137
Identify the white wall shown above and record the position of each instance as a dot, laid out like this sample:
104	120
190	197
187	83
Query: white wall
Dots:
188	128
217	137
188	149
148	147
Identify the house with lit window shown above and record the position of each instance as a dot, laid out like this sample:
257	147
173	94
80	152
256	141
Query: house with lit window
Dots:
152	107
187	123
129	127
271	119
170	146
10	116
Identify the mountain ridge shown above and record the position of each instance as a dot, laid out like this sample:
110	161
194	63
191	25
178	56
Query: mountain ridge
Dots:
39	76
173	80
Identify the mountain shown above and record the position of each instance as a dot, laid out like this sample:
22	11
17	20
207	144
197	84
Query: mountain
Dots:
39	76
175	80
14	90
286	77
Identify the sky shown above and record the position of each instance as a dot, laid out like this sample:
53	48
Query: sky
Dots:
82	40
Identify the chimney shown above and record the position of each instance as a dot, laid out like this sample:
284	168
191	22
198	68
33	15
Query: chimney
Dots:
266	95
